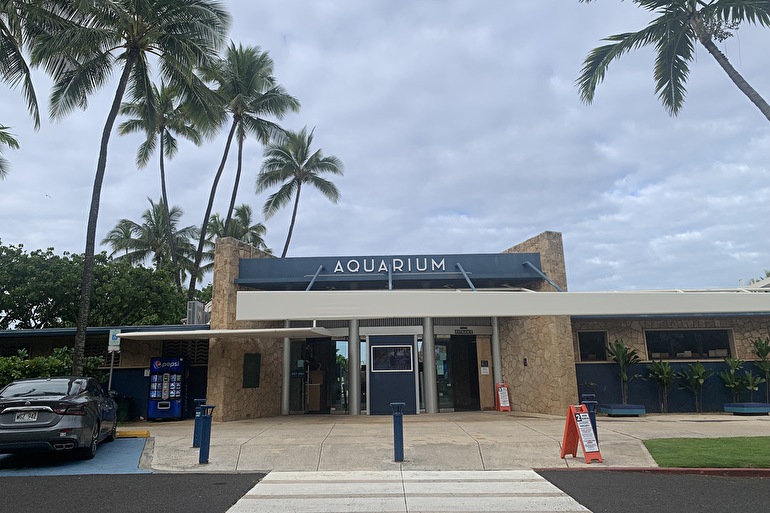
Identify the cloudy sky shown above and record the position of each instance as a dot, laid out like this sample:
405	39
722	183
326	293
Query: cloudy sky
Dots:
461	131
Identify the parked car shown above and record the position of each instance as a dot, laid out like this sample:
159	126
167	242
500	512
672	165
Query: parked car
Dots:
56	414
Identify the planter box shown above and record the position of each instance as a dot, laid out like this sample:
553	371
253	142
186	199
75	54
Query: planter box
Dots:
623	410
747	408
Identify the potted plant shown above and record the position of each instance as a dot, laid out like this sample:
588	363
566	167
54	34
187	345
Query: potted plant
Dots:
693	378
733	382
664	376
625	357
761	350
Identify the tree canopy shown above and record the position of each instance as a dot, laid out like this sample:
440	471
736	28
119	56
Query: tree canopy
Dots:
41	290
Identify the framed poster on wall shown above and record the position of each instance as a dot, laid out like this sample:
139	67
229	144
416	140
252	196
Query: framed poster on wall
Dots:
392	358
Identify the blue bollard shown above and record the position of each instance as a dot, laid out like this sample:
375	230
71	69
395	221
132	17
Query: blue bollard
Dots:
197	426
203	455
590	404
398	431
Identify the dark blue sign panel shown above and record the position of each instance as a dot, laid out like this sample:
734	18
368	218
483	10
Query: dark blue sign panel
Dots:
398	272
392	373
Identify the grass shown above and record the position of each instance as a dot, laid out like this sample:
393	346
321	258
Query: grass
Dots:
737	452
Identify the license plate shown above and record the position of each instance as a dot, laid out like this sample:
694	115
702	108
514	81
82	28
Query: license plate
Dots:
26	416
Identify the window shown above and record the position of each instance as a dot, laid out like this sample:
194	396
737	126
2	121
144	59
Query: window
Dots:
687	344
593	345
252	363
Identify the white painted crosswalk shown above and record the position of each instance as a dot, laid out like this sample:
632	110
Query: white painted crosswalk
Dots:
405	491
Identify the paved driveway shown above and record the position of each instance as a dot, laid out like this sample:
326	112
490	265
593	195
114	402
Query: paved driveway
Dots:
118	457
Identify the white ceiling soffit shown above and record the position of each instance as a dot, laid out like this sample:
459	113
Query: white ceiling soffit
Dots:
207	334
359	304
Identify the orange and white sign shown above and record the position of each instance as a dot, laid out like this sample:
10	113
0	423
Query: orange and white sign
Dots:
577	429
503	399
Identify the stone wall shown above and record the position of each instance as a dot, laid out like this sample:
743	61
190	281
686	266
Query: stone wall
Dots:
547	384
744	331
551	249
225	372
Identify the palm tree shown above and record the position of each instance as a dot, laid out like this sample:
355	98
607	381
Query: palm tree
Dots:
171	117
18	22
149	240
291	165
674	33
100	36
241	227
248	91
6	139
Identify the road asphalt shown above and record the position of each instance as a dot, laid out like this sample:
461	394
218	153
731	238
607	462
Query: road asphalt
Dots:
474	461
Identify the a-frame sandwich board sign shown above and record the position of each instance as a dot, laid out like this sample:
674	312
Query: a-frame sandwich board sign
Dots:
578	430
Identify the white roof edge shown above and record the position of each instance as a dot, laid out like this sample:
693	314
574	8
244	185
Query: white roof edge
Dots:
361	304
239	333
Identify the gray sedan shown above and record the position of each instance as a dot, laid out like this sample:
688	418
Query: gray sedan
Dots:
56	414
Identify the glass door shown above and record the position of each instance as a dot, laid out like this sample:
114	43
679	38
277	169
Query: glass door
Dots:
446	398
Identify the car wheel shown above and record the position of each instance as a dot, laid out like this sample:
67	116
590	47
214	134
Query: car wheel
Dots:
87	453
113	433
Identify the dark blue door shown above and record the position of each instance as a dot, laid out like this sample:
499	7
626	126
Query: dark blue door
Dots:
392	368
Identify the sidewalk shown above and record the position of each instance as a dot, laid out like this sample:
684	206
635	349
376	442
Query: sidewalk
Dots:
469	441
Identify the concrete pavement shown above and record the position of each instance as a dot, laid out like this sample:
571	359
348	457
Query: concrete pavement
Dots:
471	462
471	441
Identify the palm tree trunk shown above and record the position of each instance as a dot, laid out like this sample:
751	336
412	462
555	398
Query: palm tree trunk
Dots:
93	215
737	78
235	187
167	213
293	220
204	226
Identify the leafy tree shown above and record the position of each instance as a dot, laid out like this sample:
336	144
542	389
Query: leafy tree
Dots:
679	26
761	350
170	117
291	165
149	240
664	376
6	139
241	227
95	38
693	379
247	92
40	290
751	383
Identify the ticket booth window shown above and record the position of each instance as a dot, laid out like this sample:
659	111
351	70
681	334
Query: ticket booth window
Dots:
593	345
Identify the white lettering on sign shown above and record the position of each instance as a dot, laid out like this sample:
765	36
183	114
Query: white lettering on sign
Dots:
396	265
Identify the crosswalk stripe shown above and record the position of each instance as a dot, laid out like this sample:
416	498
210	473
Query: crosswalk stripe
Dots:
405	492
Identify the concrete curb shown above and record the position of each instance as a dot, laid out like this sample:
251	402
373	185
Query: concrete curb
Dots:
726	472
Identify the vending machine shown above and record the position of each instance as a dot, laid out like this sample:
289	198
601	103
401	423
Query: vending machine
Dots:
166	388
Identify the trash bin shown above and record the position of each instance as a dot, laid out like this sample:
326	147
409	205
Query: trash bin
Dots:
124	408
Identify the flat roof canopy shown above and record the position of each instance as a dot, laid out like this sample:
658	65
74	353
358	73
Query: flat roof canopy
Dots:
375	304
244	333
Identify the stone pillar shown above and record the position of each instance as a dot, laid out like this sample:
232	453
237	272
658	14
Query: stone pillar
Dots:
354	369
226	355
429	366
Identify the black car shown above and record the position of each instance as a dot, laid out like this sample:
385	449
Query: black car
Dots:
56	414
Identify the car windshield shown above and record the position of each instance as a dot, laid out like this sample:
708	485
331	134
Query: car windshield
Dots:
37	388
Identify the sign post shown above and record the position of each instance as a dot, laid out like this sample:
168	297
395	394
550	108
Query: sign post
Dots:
578	430
113	346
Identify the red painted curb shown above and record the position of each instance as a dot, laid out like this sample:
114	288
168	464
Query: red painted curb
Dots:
727	472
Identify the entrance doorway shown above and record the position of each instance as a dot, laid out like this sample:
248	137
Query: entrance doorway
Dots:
457	375
319	376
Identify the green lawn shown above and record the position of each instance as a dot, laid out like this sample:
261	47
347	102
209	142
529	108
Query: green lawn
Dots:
738	452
